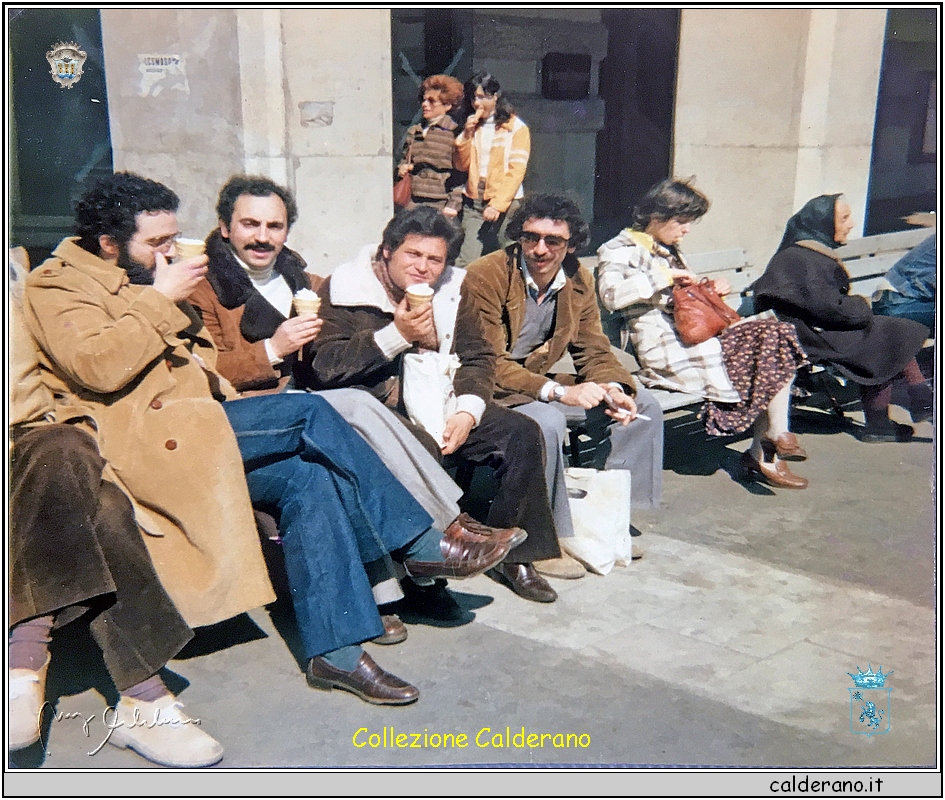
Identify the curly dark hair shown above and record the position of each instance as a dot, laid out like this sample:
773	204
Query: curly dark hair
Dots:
490	85
110	206
257	186
669	199
551	206
422	221
448	89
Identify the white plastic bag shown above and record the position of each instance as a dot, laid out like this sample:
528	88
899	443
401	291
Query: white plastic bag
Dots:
601	518
428	390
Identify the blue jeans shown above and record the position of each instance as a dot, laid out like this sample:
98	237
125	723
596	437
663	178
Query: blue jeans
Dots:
338	508
893	304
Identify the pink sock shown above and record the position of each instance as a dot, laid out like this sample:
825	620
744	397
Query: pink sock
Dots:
29	643
147	690
913	374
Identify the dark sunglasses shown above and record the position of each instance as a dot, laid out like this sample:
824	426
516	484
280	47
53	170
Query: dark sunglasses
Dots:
552	242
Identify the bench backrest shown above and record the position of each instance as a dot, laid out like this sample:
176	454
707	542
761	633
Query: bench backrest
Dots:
868	259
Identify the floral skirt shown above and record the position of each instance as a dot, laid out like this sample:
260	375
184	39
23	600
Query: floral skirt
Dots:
761	357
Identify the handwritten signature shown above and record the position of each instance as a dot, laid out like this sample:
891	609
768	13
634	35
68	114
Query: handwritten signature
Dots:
111	721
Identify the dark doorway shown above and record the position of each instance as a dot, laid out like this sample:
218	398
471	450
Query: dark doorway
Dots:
59	135
425	42
638	86
905	138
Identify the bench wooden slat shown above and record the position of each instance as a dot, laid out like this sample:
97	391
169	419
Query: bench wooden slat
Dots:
874	266
883	243
718	260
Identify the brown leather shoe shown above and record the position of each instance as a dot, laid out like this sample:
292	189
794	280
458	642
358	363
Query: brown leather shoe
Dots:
775	473
464	554
394	630
788	448
368	681
514	536
525	582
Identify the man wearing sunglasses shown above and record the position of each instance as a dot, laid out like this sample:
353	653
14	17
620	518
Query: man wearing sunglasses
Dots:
536	303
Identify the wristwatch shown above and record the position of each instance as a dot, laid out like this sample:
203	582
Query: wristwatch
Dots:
558	392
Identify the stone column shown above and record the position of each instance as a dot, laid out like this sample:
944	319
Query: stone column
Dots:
337	82
773	107
299	95
173	81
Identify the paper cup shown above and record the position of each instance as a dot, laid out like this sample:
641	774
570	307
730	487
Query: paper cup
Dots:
418	294
306	305
189	248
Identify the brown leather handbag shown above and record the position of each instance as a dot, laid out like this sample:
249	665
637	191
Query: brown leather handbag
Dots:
403	190
700	313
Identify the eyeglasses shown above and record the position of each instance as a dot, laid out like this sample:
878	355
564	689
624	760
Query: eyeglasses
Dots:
163	243
552	242
433	101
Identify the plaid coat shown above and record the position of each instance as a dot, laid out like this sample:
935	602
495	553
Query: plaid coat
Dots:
633	279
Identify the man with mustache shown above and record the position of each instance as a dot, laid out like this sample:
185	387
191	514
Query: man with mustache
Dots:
246	304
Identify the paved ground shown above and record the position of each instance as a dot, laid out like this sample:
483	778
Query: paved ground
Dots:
729	644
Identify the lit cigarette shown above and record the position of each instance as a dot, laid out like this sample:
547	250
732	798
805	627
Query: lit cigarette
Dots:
643	416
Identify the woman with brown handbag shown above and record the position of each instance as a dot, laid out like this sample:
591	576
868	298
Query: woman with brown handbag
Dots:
427	158
744	373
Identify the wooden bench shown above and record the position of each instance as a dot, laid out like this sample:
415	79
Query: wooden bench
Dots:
869	259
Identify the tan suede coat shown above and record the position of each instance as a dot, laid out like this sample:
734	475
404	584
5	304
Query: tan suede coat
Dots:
496	288
138	370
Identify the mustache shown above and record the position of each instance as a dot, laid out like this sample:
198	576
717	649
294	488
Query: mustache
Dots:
262	247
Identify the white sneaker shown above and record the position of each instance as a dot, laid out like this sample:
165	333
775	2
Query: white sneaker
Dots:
163	733
27	690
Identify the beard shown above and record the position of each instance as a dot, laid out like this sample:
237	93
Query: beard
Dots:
138	273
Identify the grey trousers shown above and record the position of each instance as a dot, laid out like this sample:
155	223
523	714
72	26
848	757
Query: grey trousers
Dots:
400	451
637	447
480	237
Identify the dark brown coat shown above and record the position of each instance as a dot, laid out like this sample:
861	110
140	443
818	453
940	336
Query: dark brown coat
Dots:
239	331
346	354
810	288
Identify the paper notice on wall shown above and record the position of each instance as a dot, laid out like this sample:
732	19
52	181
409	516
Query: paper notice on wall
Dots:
161	71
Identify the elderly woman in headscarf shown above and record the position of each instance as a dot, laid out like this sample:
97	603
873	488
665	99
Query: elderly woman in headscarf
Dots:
806	284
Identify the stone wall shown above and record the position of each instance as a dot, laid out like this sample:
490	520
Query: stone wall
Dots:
300	95
773	107
178	123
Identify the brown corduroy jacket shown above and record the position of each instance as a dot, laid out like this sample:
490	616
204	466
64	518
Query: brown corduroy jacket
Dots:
138	371
496	288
